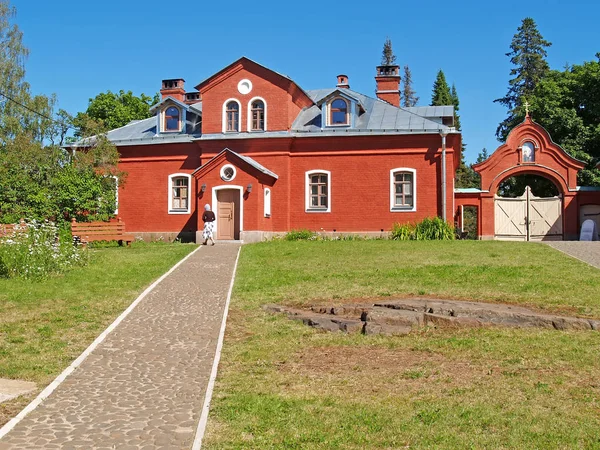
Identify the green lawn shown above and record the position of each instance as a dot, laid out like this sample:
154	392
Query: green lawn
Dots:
284	385
45	325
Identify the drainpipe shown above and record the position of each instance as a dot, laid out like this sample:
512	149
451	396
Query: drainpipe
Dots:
443	134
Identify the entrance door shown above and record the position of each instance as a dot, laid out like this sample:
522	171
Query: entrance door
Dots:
228	214
528	218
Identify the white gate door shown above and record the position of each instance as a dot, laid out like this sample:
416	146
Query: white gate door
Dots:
528	218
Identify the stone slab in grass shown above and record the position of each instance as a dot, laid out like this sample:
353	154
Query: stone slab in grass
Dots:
10	389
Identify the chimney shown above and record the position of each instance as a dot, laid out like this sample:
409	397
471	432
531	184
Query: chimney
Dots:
388	84
343	82
173	88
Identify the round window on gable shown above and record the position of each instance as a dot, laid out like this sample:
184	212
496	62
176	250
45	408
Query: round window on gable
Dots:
228	172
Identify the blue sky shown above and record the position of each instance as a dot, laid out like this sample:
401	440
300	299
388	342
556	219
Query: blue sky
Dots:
81	48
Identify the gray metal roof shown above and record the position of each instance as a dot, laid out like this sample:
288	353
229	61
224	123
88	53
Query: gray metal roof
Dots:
246	159
432	111
378	116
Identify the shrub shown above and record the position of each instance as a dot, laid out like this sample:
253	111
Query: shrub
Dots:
36	250
300	235
428	229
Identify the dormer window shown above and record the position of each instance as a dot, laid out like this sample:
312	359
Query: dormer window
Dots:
257	113
172	122
338	112
232	115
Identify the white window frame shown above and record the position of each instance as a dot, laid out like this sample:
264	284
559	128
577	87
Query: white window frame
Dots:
170	193
116	178
267	202
249	124
393	206
240	121
307	206
222	173
349	111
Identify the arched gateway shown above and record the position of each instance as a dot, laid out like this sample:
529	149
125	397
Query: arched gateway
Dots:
528	150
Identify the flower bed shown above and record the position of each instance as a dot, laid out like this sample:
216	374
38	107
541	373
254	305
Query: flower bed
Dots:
37	249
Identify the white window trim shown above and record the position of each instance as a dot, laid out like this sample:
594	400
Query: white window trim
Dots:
225	115
116	178
394	208
163	125
249	124
349	112
307	206
223	170
215	204
170	193
267	202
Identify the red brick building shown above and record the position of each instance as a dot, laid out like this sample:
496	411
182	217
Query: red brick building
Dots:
269	157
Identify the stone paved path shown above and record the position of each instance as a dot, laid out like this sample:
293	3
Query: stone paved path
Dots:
143	387
588	252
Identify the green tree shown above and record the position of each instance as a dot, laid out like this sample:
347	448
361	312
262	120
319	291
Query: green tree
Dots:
409	97
440	95
113	110
528	56
387	55
567	104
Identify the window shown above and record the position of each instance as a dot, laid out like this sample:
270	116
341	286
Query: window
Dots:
338	112
267	202
179	193
228	172
318	191
403	189
232	116
257	114
171	119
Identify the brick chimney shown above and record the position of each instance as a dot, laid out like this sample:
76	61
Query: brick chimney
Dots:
342	82
173	88
388	84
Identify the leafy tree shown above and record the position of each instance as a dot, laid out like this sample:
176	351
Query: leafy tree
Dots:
387	55
409	97
528	56
113	110
567	104
441	92
37	180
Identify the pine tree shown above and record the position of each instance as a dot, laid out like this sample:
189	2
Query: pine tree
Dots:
441	95
409	97
456	103
528	56
387	55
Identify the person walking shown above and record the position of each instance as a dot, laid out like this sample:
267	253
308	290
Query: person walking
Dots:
209	225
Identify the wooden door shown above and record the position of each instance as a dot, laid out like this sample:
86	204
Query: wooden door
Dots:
545	218
510	218
226	217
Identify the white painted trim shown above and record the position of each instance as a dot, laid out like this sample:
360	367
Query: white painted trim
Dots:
163	113
200	430
307	207
170	193
223	169
224	124
249	124
348	111
393	191
75	364
116	178
267	202
215	203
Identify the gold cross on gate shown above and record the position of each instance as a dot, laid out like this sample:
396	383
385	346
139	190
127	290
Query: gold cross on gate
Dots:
526	107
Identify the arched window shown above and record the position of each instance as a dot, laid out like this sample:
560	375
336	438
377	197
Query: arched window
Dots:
318	191
267	202
338	112
232	116
257	114
179	193
172	119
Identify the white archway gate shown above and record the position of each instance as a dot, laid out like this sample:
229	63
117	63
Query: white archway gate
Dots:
528	218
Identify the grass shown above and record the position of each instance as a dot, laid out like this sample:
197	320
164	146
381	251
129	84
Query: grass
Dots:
45	325
284	385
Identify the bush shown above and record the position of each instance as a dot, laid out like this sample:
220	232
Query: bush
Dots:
428	229
36	250
300	235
